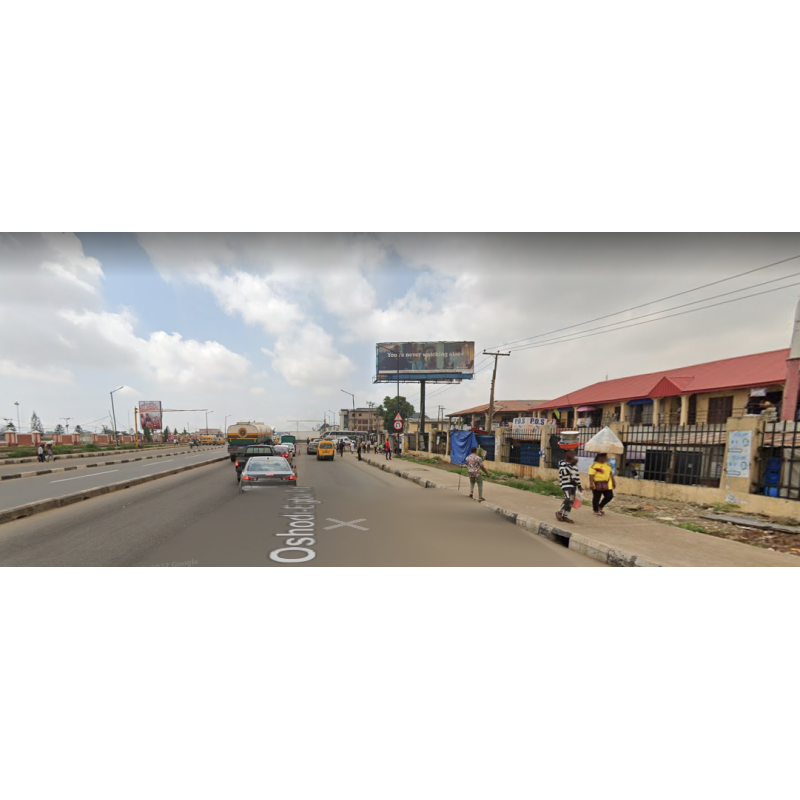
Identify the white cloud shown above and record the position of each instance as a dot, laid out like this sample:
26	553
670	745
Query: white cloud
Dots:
258	390
309	359
11	369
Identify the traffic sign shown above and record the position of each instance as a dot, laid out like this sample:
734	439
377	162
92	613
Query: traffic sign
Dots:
398	424
398	417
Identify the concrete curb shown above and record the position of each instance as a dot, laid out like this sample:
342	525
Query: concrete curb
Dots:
51	470
578	542
68	499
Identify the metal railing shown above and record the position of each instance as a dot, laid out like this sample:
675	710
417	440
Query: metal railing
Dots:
779	460
691	455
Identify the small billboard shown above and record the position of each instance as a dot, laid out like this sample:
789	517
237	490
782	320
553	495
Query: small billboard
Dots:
419	361
150	414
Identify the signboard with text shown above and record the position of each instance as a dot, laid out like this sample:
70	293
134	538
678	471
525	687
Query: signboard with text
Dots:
528	426
738	463
416	361
150	414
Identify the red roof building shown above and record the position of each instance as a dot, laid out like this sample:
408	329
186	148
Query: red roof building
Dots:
708	392
504	412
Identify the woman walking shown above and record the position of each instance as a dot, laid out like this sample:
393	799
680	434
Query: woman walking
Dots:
569	480
601	481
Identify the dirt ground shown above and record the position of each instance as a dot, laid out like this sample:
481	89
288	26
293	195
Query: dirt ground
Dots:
679	514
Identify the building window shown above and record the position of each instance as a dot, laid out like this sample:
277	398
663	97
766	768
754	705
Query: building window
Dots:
719	409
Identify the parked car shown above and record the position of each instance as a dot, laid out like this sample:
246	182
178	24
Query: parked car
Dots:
262	472
311	448
283	450
249	452
325	449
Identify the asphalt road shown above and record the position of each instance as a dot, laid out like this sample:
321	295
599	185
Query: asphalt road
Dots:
363	517
27	490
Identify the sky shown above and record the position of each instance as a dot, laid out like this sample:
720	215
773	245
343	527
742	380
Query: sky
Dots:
272	327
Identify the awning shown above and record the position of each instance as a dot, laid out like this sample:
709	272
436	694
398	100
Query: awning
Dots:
586	408
645	401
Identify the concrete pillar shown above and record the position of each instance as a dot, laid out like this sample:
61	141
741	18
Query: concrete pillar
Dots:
684	409
623	411
741	486
11	438
791	390
656	410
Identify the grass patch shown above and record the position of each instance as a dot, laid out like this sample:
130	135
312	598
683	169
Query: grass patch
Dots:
21	452
725	508
691	526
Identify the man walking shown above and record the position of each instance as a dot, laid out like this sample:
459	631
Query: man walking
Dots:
387	450
569	480
474	469
358	450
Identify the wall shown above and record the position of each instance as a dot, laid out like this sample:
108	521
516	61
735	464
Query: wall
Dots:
751	503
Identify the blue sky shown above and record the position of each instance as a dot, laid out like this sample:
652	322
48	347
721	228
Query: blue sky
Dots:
273	327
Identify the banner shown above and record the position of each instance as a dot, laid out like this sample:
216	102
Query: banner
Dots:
528	427
414	361
150	414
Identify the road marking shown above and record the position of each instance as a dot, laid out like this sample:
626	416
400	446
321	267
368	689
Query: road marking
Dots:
81	477
346	524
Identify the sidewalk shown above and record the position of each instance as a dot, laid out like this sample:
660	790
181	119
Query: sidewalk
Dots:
614	539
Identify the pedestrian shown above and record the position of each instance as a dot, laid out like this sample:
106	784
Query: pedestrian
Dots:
387	450
40	452
601	480
359	451
49	451
474	469
352	447
341	447
569	480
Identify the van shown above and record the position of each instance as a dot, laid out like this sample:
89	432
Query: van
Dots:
325	450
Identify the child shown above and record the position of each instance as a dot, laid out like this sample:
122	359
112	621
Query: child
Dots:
570	481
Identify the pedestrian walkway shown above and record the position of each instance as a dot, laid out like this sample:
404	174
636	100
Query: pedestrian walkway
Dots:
614	539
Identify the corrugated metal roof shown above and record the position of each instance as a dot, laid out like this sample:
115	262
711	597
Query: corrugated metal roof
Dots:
757	369
499	406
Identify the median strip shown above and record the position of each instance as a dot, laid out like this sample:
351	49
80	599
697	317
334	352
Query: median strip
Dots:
39	506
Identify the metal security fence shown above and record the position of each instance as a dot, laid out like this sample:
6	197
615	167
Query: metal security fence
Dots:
779	460
691	455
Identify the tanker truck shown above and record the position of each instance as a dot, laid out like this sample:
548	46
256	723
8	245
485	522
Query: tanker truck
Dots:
243	434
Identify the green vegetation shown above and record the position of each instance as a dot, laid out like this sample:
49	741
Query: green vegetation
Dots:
691	526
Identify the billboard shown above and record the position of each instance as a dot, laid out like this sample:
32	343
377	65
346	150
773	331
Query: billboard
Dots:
417	361
150	414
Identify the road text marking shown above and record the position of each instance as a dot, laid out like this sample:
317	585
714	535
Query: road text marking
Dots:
346	524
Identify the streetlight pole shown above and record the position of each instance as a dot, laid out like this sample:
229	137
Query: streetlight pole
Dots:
66	421
207	413
19	430
352	422
114	414
333	418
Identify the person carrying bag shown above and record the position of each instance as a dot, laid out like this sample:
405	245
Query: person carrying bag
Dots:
601	481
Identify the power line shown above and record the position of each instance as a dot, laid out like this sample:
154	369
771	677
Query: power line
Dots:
650	302
567	337
583	334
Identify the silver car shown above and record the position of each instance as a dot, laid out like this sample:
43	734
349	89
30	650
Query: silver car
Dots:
261	472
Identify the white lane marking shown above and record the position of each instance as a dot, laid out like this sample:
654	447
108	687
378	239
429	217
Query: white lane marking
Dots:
81	477
346	524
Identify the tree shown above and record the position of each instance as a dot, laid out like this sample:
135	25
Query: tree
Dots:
59	428
389	409
78	429
36	423
147	434
10	426
166	433
107	430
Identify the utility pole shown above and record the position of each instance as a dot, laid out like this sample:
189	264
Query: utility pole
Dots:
114	414
19	429
490	412
66	421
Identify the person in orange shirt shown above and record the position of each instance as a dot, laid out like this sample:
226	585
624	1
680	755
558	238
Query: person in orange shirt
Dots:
601	481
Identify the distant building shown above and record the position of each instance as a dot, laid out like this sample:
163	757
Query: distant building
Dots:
364	420
504	412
